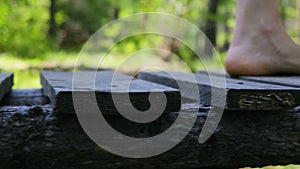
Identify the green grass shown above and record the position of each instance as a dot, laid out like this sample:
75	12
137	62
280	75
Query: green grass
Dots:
26	79
26	71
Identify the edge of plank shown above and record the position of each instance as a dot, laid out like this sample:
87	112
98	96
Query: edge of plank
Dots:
56	95
6	84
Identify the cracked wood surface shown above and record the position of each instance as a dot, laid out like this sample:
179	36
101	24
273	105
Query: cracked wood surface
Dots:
242	94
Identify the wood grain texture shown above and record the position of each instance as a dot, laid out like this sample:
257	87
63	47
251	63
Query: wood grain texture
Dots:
6	83
243	95
58	87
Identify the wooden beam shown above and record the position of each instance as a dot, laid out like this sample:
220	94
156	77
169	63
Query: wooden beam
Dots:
35	137
242	94
6	83
25	97
58	87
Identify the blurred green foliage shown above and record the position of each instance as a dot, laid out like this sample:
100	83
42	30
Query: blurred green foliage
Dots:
23	27
25	24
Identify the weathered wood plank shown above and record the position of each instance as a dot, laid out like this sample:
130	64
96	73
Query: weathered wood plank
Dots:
35	137
58	86
293	81
6	83
25	97
283	80
241	94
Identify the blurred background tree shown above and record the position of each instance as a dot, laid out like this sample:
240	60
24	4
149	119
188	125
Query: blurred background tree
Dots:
23	28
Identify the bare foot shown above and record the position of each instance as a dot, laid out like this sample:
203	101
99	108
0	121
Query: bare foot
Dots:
260	45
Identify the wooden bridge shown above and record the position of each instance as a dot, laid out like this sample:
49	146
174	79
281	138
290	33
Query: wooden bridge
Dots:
260	125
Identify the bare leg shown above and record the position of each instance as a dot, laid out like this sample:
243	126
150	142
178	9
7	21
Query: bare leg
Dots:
260	44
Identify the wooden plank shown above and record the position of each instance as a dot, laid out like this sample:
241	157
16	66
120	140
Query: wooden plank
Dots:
241	94
58	87
25	97
293	81
6	83
283	80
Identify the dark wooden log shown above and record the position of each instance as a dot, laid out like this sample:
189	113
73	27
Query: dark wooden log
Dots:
35	137
6	83
58	87
242	95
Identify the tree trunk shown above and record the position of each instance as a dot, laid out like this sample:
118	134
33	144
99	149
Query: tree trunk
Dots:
52	22
210	29
226	28
116	13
